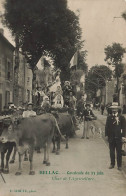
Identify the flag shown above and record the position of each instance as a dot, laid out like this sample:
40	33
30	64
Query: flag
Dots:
74	59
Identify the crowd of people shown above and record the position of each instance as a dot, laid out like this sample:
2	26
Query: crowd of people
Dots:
58	99
63	99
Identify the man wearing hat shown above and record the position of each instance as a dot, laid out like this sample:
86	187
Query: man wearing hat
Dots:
29	112
88	117
114	131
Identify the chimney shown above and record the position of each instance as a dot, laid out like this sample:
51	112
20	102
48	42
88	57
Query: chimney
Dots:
1	31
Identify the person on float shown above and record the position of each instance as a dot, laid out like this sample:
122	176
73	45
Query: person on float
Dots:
59	90
58	101
56	83
46	106
39	94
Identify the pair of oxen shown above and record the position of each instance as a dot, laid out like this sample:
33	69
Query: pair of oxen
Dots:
30	133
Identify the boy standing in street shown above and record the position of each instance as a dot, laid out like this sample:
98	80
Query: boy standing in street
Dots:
88	117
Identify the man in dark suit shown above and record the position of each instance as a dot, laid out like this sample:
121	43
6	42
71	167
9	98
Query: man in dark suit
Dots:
114	131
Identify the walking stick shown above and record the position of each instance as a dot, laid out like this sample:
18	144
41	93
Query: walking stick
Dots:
2	177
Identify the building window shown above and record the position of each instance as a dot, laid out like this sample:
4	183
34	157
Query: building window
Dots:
8	71
0	64
28	80
123	90
28	95
7	97
1	85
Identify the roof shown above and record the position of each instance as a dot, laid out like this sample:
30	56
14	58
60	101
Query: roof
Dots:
2	37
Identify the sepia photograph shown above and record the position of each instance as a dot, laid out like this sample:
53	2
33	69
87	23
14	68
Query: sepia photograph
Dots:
62	97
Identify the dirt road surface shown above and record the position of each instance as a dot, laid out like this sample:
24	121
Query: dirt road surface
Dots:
80	170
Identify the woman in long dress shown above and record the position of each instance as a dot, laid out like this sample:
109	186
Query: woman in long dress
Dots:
57	82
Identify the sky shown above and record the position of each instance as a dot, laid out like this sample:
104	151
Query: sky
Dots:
98	24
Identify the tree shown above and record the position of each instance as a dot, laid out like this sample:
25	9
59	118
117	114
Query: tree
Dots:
69	42
43	25
96	78
114	55
76	76
124	15
82	61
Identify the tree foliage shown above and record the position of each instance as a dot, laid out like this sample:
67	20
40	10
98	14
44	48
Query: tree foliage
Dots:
76	76
114	55
96	78
124	15
44	26
118	70
67	45
82	61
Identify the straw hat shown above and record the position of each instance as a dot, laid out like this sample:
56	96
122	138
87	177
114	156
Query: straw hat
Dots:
30	103
115	106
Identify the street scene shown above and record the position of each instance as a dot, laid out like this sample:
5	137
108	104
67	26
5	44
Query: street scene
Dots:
62	97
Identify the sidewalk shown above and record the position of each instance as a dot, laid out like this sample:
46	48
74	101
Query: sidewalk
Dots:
101	119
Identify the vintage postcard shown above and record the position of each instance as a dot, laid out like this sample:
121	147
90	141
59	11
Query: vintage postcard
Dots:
62	97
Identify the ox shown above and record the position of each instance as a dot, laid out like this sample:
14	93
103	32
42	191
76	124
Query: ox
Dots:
5	148
66	127
31	132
